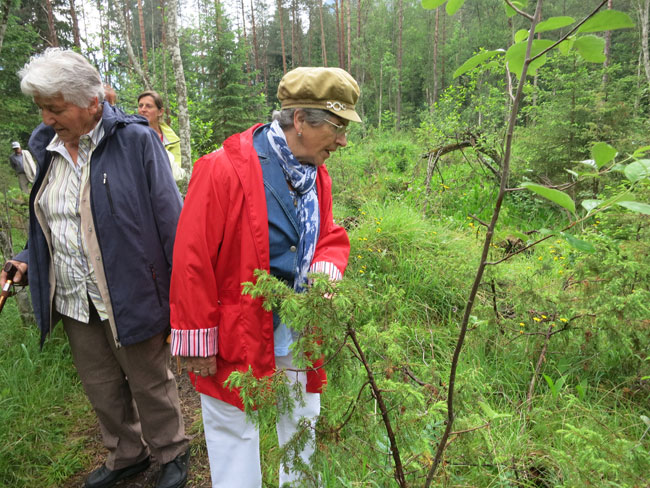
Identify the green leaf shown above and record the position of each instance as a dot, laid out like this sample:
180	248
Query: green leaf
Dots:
431	4
589	205
510	12
645	420
637	170
607	20
565	46
516	55
475	60
591	48
603	153
453	6
641	151
572	173
490	413
615	199
638	207
589	162
578	244
553	23
556	196
521	35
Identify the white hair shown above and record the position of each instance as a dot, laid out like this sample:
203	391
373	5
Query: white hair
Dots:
61	72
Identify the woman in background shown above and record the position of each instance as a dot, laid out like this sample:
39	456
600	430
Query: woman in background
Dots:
150	106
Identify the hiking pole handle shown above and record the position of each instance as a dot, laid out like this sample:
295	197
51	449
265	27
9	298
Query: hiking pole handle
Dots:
10	269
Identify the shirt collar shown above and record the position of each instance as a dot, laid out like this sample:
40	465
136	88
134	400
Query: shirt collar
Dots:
95	135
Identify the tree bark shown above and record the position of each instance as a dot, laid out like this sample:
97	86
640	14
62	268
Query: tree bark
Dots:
284	55
339	41
349	32
143	39
358	61
608	48
124	29
53	40
243	23
293	33
435	57
255	48
400	19
75	25
643	11
4	21
181	89
322	33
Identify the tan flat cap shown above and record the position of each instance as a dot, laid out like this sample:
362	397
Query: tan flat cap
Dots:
330	89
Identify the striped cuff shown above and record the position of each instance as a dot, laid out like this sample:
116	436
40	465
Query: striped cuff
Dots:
195	342
328	268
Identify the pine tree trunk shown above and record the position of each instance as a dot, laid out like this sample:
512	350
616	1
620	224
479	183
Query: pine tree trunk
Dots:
358	46
143	39
339	42
349	36
75	25
164	62
400	19
243	23
4	21
181	89
53	40
123	24
284	55
293	33
322	33
255	47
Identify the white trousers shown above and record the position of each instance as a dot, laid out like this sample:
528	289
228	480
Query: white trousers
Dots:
234	442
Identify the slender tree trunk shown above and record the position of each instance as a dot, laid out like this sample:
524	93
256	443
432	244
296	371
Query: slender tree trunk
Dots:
293	34
381	91
284	55
400	19
255	47
339	41
164	62
4	20
349	37
75	25
643	7
53	39
322	33
123	24
243	23
181	90
358	46
435	57
608	48
143	39
311	35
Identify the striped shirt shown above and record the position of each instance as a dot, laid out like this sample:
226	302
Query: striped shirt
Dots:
59	201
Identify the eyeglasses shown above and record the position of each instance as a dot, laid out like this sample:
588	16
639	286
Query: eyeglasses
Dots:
340	129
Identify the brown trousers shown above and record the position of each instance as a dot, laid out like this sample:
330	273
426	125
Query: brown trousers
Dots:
132	391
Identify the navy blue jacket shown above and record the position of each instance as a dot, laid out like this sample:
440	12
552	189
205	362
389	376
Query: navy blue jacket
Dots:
135	207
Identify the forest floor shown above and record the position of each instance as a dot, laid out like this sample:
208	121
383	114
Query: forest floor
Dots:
199	474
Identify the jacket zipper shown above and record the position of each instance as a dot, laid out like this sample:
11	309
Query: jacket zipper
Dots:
155	283
108	193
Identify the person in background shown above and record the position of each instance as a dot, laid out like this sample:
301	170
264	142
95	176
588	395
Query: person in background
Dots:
262	201
150	106
23	164
103	215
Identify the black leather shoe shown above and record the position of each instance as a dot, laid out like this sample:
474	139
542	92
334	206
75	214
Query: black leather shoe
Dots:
103	477
174	473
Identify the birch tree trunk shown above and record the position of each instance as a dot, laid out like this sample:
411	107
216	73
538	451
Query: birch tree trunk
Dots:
643	11
181	89
435	57
322	33
339	41
124	31
294	21
608	48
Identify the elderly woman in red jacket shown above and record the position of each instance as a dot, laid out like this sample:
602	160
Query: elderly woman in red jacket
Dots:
263	201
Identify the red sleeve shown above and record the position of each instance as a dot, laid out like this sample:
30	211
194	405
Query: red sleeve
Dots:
194	294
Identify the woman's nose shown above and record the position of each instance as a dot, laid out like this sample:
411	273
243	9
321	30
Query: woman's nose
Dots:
342	139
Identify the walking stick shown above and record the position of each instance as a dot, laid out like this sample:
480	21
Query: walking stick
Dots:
10	269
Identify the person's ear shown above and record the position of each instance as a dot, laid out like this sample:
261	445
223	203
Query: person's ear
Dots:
299	120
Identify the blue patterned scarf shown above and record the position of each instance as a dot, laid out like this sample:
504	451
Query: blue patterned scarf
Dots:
303	180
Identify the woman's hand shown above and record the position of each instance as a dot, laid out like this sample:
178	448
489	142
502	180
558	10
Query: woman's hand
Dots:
201	366
21	273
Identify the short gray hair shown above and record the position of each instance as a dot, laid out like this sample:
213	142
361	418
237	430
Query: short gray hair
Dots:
313	116
61	72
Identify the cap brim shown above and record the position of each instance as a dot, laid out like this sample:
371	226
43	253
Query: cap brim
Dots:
348	115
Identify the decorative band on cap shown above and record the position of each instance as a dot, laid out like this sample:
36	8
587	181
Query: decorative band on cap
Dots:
336	106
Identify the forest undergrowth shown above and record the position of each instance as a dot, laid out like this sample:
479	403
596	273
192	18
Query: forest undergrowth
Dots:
553	383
